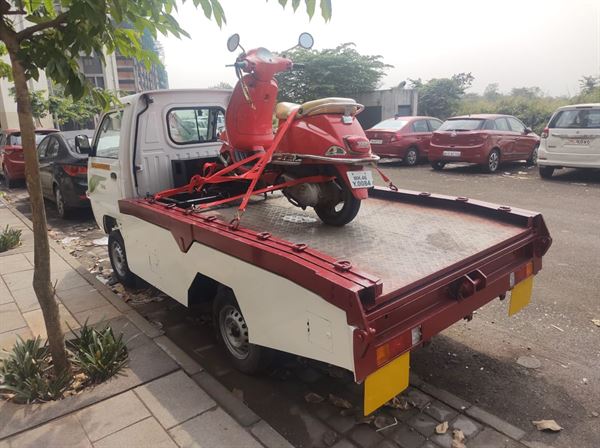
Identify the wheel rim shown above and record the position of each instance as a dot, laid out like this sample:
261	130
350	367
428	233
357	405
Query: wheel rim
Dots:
493	161
118	257
60	205
534	156
411	157
234	331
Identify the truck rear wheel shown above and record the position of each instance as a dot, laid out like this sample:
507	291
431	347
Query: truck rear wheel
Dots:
232	333
118	259
546	171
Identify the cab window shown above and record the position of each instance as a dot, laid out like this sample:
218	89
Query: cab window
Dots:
516	125
194	125
109	136
420	126
501	124
52	149
434	125
41	149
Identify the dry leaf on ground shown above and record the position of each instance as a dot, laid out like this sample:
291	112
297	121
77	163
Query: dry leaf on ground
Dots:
441	428
596	322
458	437
398	403
339	402
547	425
311	397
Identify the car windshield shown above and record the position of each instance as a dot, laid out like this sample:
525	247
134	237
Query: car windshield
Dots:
391	123
462	124
15	139
576	119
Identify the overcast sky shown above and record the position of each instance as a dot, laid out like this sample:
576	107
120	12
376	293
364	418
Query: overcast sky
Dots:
516	43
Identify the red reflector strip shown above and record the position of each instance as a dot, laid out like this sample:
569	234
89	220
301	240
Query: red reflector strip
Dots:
393	348
75	170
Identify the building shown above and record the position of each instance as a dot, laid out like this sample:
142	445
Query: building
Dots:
387	103
134	77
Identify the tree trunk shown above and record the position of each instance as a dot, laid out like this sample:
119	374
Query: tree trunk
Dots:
42	284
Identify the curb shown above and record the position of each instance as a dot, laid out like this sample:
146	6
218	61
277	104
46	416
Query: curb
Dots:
255	425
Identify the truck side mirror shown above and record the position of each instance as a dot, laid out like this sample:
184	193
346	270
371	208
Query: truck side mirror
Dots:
233	42
82	144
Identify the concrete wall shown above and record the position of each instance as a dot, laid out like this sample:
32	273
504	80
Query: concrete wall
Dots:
390	99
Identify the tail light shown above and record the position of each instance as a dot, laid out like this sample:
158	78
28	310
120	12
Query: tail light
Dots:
8	150
400	344
545	133
395	137
358	144
75	170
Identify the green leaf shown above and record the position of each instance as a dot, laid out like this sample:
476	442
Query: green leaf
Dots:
326	9
218	12
310	7
295	4
206	7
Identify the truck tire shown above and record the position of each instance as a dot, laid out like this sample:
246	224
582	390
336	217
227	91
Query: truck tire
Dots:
546	172
232	333
118	259
438	165
342	213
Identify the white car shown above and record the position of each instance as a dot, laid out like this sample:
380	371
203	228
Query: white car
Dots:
571	139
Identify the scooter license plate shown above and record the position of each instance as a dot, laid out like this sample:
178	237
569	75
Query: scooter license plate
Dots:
360	179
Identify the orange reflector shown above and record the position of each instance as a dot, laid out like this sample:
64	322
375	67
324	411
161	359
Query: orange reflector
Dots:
529	269
382	354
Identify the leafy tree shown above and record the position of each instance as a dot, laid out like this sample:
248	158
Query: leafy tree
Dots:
491	91
590	90
67	110
39	104
52	37
340	71
440	97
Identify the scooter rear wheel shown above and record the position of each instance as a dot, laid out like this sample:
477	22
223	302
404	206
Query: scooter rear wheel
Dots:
341	213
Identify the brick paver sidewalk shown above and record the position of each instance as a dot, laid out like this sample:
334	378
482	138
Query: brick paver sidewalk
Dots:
164	399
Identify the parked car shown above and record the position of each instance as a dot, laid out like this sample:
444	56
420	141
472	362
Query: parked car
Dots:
403	138
571	139
63	169
12	162
484	139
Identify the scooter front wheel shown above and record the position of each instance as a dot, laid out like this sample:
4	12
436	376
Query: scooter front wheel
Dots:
341	213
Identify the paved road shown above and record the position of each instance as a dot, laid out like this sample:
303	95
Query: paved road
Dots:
475	360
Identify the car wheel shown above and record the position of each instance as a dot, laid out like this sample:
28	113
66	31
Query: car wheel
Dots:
61	207
546	171
232	333
493	161
438	165
7	180
532	160
411	157
118	259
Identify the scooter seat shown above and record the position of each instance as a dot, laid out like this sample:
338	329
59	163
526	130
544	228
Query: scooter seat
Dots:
283	110
329	106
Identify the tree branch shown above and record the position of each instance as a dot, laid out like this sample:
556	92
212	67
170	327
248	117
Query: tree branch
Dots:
27	32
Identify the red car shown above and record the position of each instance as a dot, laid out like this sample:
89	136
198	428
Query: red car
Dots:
403	138
12	162
484	139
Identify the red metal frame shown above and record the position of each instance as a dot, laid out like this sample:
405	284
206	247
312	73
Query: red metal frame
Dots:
378	318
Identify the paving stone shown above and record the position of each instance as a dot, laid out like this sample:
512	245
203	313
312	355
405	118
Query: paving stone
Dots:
8	339
429	444
342	423
423	423
214	428
174	399
365	436
268	436
67	280
344	443
489	438
14	263
495	422
82	298
190	366
323	410
146	327
112	415
466	425
234	406
100	314
445	397
440	411
443	440
11	318
64	432
416	397
147	433
404	414
5	295
18	280
35	321
407	437
26	299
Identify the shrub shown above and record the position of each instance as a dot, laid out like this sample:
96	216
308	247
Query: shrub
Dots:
9	238
99	354
26	373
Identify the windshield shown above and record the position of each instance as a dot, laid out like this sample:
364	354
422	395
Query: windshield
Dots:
576	119
391	123
462	124
15	139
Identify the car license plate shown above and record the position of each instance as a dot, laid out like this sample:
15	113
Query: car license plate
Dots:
360	179
376	141
452	153
579	141
385	383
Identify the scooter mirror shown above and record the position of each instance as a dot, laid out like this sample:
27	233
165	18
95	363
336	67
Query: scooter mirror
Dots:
233	42
306	41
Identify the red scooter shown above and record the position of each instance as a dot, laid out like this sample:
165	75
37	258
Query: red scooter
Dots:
315	157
